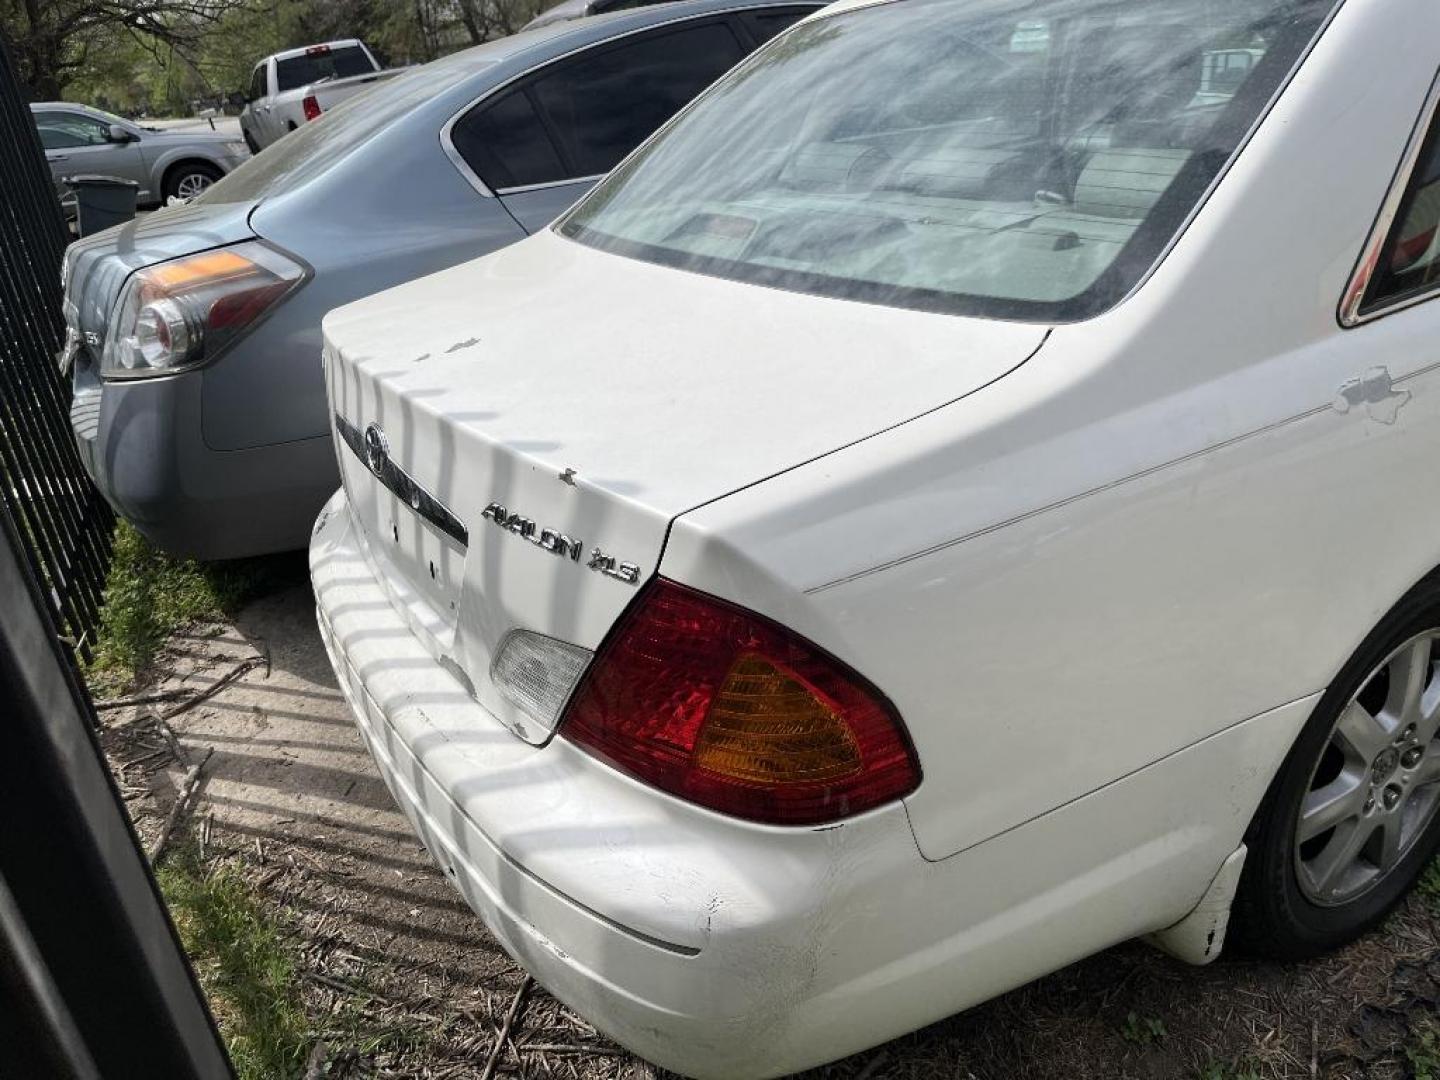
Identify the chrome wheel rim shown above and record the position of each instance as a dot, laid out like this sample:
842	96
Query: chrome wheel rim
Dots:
192	184
1376	785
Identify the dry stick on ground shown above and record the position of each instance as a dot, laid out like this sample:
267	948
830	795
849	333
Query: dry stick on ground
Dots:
157	698
188	787
190	700
244	666
504	1035
168	734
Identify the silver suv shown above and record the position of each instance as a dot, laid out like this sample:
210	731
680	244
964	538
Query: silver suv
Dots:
79	140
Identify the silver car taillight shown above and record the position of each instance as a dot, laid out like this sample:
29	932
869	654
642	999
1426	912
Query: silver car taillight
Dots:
179	314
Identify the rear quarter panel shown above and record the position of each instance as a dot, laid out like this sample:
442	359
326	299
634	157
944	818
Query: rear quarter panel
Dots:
1161	525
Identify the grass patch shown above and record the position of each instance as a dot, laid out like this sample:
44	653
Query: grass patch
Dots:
1423	1051
1429	886
1142	1030
149	596
1216	1070
244	963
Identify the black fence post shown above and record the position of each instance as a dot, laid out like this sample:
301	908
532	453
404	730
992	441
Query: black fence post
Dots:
64	524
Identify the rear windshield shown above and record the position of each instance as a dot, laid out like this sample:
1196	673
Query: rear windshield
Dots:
337	63
308	151
1026	159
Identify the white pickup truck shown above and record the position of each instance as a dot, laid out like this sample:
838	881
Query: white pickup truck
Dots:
289	88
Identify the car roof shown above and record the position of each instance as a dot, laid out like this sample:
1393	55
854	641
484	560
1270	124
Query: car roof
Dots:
88	110
35	106
577	33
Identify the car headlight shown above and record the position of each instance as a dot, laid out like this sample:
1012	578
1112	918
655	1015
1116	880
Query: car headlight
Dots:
180	314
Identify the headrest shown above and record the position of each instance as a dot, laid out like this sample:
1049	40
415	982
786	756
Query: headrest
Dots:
1126	183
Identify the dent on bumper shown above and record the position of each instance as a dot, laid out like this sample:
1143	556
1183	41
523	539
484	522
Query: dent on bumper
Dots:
725	949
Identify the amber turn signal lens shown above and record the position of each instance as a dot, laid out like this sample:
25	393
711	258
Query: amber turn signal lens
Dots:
726	709
765	727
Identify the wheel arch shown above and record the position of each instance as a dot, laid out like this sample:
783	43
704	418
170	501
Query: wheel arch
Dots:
180	161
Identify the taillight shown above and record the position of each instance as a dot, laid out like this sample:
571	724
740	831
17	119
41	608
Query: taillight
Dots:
179	314
729	710
311	105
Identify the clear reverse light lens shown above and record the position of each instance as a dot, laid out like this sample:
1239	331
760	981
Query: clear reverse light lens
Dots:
536	674
180	314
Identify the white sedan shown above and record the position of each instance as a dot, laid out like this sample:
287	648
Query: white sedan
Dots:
961	496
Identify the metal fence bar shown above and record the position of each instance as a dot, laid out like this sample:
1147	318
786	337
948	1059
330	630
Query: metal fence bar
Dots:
64	522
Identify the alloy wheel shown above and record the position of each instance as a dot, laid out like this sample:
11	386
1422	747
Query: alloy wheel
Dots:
1376	785
192	184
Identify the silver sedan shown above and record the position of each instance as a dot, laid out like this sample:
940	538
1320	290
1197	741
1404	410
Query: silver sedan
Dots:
199	402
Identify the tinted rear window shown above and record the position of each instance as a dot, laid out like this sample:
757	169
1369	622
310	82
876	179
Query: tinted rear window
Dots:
338	63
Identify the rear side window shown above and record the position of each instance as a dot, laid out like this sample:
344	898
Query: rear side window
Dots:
66	131
1409	263
322	63
582	115
603	105
505	143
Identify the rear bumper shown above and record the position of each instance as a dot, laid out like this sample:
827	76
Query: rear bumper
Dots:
719	948
142	444
688	937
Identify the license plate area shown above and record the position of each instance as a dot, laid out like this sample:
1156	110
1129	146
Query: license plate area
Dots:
419	540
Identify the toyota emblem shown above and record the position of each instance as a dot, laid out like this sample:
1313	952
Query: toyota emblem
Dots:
377	449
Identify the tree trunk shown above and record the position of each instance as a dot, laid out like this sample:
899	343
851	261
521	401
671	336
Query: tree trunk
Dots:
471	21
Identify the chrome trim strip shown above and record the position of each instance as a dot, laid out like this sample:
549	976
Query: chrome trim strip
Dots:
523	188
404	486
1353	301
447	144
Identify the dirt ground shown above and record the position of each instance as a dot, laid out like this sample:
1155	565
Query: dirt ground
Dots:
290	796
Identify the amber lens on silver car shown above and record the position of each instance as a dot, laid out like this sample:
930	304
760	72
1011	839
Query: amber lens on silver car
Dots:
178	314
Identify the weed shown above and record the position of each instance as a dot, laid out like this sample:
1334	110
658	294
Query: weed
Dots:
1429	886
1142	1030
244	963
149	595
1423	1051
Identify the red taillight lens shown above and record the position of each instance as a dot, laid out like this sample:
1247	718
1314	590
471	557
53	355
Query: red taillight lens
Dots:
729	710
311	105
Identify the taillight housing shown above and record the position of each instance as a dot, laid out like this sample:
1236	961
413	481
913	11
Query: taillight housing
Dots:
311	107
726	709
180	314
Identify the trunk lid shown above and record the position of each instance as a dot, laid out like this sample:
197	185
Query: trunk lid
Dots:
565	405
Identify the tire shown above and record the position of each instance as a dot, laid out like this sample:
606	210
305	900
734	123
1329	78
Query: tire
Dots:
1299	899
250	142
188	178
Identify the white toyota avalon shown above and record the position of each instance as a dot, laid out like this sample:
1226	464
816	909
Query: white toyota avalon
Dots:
962	495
